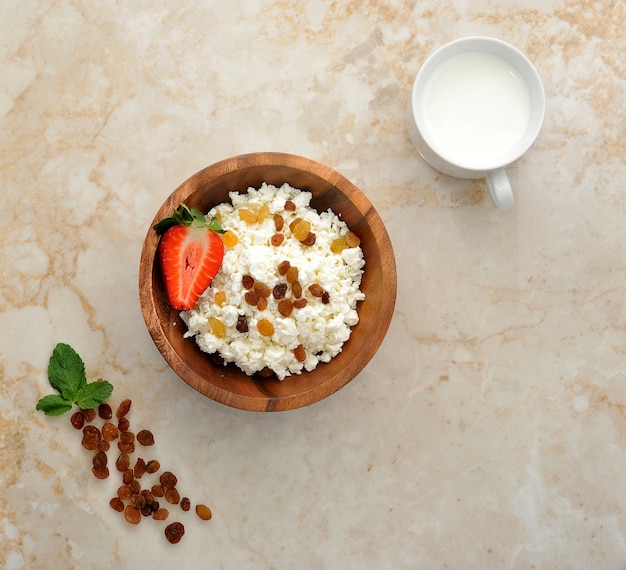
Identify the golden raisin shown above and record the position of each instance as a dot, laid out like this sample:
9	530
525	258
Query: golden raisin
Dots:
294	223
117	504
247	281
123	424
172	496
109	431
264	212
230	239
352	240
218	327
292	274
302	230
277	239
104	445
283	267
123	462
219	298
299	303
338	245
140	468
100	472
168	479
265	327
152	466
247	216
204	512
128	476
262	304
290	206
279	222
299	353
157	490
285	307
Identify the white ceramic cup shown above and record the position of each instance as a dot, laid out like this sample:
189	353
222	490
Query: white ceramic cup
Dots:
476	106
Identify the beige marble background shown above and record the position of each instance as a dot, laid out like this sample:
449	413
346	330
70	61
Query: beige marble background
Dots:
490	429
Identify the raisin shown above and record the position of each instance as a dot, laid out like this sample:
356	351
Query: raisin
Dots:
123	408
91	437
89	414
279	222
148	496
146	510
277	239
126	447
299	353
242	324
296	289
78	420
316	290
262	304
137	500
262	290
283	267
174	532
127	437
247	281
99	460
252	298
290	206
117	504
123	462
152	466
309	240
352	240
172	496
132	514
168	479
299	303
279	290
128	476
326	297
125	492
294	223
204	512
135	486
157	490
123	424
219	298
230	239
160	514
140	468
105	411
265	327
145	437
185	504
100	472
285	307
109	431
104	445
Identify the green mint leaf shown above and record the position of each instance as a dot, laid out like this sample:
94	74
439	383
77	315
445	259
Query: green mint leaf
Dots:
66	371
53	405
216	226
93	394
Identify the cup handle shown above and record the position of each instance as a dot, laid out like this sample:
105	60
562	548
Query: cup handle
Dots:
500	189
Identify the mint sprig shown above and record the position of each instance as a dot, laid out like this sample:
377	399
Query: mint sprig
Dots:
66	374
186	216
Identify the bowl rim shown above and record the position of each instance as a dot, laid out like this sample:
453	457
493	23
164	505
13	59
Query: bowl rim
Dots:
155	326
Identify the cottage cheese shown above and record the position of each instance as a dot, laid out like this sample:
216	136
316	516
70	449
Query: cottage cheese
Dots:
321	328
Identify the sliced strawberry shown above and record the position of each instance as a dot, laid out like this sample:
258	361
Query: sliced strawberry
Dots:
191	253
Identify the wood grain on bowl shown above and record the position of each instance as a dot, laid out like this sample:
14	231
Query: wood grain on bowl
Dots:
228	384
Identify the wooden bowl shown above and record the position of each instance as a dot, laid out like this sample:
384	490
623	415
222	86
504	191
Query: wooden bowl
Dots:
228	384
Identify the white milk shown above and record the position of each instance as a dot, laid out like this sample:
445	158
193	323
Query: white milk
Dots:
476	107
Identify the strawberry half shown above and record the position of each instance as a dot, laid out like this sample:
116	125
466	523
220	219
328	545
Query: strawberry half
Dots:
191	253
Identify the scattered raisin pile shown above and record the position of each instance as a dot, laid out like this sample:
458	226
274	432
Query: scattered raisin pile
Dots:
134	499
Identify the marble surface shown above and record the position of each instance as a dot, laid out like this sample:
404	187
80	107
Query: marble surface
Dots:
489	431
